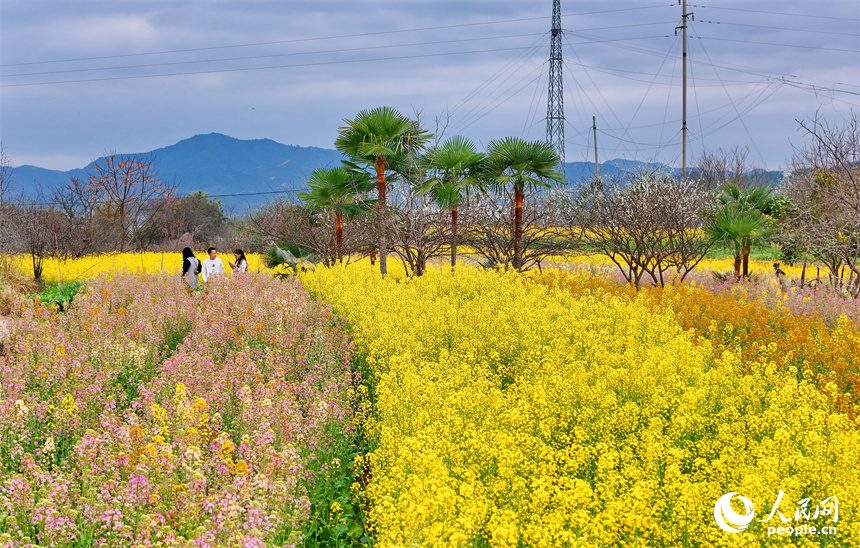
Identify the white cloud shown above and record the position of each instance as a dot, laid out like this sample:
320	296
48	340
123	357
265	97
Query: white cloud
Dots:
632	86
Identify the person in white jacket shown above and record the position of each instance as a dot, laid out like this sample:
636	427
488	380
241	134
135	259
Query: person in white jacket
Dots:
241	264
213	266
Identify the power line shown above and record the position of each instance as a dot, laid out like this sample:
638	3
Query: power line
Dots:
247	69
803	15
782	78
739	117
513	64
254	57
827	32
315	52
279	42
778	45
502	100
638	143
302	40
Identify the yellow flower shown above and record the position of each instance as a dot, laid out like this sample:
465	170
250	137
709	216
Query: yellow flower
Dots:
512	413
68	405
240	467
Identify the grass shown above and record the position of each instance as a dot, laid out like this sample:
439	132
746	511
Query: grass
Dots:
764	252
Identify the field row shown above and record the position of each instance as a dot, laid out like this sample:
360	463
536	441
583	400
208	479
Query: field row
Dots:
146	415
514	413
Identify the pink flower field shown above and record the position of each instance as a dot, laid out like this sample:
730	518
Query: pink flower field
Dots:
149	415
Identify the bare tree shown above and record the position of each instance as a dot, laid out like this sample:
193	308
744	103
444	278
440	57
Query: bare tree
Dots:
196	215
36	228
85	229
130	193
646	227
285	223
418	227
825	186
715	168
5	197
488	229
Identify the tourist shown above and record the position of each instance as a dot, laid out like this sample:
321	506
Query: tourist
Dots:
213	266
241	264
190	268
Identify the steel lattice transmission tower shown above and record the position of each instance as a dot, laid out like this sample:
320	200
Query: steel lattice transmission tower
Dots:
555	99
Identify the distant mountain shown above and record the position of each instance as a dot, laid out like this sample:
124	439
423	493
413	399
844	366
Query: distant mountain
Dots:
617	169
220	165
612	170
215	164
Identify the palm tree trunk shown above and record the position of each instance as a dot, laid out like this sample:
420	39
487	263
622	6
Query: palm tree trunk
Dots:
453	238
746	260
518	228
737	265
380	214
338	235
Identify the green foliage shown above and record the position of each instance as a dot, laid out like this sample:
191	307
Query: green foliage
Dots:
456	167
342	189
522	164
60	294
339	503
791	252
760	251
381	134
337	514
126	384
174	335
745	217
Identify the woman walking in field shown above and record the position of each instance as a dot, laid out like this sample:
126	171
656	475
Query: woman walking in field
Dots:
190	268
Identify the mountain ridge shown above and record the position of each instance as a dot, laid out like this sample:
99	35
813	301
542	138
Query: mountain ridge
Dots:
258	169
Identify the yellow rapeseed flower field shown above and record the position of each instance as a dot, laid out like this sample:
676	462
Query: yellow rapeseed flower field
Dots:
70	270
516	414
725	265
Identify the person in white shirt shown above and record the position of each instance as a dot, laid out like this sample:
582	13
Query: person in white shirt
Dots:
241	264
212	266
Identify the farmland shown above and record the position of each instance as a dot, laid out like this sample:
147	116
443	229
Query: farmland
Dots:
475	408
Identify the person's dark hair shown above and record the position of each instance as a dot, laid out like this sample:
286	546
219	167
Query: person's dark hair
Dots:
186	253
211	249
241	255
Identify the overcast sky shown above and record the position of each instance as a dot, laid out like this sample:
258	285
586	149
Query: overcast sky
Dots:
83	78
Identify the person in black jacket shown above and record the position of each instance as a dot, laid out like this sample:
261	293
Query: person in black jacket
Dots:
190	268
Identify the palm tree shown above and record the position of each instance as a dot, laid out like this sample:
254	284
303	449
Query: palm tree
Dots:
742	220
521	164
740	228
378	137
457	165
342	190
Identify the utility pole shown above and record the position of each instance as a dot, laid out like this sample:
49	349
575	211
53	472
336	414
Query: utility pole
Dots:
555	100
596	165
684	16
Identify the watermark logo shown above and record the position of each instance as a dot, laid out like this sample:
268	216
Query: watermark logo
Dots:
733	522
727	518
